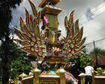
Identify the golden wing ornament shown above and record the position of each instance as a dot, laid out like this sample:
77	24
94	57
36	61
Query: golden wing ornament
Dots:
73	41
30	37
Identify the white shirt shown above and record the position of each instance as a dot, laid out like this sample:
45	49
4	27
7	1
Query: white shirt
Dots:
89	70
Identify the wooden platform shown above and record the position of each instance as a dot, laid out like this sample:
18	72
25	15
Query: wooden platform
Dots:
99	79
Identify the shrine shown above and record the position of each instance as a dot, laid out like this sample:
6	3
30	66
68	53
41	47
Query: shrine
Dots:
40	36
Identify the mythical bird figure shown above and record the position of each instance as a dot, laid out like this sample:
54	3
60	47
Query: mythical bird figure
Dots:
73	40
30	36
33	41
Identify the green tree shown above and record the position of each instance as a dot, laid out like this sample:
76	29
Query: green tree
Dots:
98	51
5	19
0	70
19	61
0	66
79	62
20	64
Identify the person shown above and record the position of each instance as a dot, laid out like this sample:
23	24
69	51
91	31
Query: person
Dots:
88	70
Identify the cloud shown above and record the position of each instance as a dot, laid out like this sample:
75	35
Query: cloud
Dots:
93	22
25	4
89	14
20	11
94	29
91	30
63	32
99	9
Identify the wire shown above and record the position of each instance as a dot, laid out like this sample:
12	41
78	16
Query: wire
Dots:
95	41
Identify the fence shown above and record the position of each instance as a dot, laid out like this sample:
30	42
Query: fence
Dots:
95	44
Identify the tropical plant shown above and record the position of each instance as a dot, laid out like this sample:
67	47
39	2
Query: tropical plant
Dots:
99	71
20	65
20	61
0	71
79	62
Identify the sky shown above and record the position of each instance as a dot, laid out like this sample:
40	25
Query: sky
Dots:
91	15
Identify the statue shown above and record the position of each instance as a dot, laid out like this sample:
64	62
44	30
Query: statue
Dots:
48	45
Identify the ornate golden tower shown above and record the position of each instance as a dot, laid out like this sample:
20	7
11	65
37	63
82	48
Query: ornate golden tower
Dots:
48	45
49	15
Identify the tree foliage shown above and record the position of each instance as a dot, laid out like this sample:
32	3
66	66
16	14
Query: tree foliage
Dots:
5	19
19	61
79	62
6	15
0	66
98	51
20	64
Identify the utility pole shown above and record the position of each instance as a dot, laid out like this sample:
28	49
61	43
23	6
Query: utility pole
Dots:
95	53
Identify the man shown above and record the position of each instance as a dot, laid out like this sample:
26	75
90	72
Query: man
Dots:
88	70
